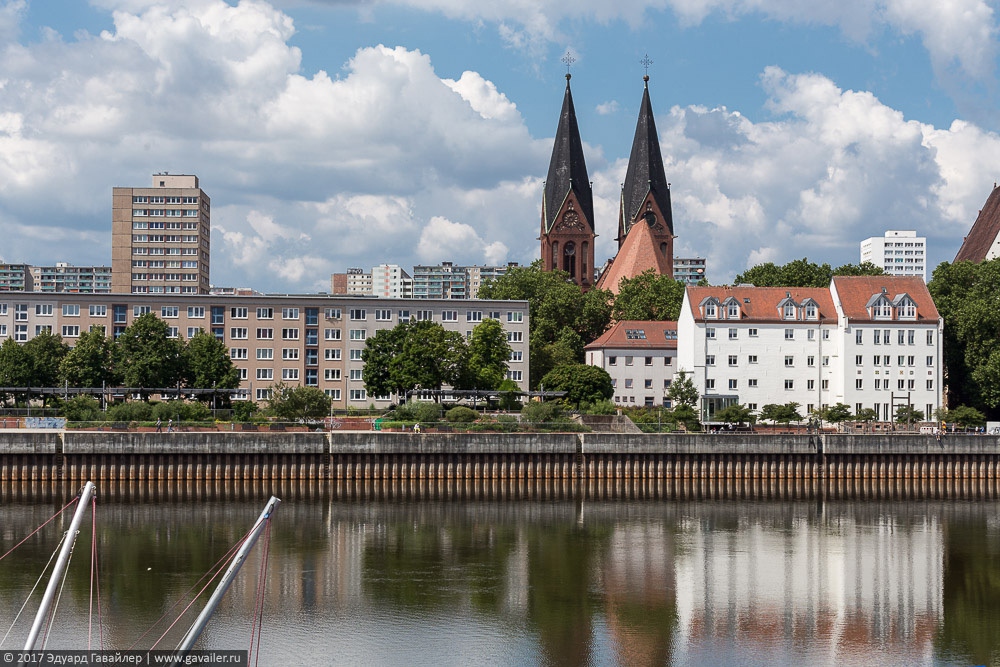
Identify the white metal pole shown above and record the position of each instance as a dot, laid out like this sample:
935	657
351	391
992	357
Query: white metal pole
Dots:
199	623
60	566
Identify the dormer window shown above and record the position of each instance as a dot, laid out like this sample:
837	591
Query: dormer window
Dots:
710	310
882	310
811	311
788	312
905	308
733	311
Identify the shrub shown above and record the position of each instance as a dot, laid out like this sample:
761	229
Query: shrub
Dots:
82	408
461	415
604	407
243	410
536	412
130	411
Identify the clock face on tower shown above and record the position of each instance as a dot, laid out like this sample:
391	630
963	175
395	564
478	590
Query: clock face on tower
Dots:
570	221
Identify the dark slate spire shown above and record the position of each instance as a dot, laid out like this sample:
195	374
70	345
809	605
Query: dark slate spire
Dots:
567	169
645	170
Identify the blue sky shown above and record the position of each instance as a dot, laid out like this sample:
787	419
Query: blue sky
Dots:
338	134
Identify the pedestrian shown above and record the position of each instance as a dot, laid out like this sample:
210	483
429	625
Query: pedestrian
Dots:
170	425
416	428
159	425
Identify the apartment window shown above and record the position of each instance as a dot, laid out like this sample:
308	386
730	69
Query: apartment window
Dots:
789	384
824	385
885	336
911	384
733	333
930	337
473	316
95	311
515	336
899	385
383	315
859	360
858	336
628	361
930	385
789	360
289	313
265	353
265	373
289	373
356	374
332	394
885	360
710	333
648	383
71	330
752	359
516	356
356	354
265	313
43	310
218	315
71	310
910	336
789	311
515	316
900	337
859	384
331	334
192	332
810	361
649	361
732	359
173	332
930	361
358	334
449	316
238	313
265	334
238	333
826	360
424	315
331	374
732	384
710	383
290	353
810	385
21	333
494	315
789	334
290	334
666	384
878	336
752	383
667	361
263	394
515	376
169	312
332	354
710	310
899	360
237	353
196	312
612	360
811	334
331	313
709	359
826	334
752	333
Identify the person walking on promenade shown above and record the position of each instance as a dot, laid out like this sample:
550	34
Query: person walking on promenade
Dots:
170	425
159	425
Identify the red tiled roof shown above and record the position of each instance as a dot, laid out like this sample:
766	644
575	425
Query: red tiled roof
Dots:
984	231
639	253
760	304
617	336
856	291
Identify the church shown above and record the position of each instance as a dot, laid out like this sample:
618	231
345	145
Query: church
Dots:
645	223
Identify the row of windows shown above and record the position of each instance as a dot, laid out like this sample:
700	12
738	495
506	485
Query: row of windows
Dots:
385	315
167	251
753	384
159	213
884	360
885	384
156	224
613	361
157	199
789	310
647	383
884	336
164	238
752	359
734	333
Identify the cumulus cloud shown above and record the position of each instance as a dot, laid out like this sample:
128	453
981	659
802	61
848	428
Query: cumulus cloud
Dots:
442	239
607	108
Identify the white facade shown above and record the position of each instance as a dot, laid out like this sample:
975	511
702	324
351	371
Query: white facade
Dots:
389	281
816	347
640	357
899	253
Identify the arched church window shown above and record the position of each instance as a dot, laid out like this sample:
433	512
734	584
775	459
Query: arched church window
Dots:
555	255
569	259
663	249
583	261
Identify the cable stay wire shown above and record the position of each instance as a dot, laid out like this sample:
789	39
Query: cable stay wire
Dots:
65	507
62	586
257	627
35	587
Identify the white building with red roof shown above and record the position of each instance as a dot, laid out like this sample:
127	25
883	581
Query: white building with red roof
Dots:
640	356
868	342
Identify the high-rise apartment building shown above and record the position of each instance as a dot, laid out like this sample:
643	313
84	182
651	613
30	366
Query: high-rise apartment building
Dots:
15	278
899	253
689	270
389	281
355	283
65	277
160	237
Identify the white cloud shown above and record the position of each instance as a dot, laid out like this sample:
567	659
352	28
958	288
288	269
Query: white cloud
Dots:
607	108
483	97
442	240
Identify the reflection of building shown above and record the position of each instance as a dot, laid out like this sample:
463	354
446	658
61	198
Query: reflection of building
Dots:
160	237
898	253
639	356
868	342
846	590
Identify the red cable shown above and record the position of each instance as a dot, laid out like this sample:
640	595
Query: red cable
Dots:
40	527
261	586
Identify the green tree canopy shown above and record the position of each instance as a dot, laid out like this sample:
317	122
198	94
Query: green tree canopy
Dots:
489	353
736	414
90	362
648	297
802	273
964	416
682	391
206	364
562	318
866	415
297	403
907	414
45	352
834	414
781	414
146	355
15	366
414	354
582	383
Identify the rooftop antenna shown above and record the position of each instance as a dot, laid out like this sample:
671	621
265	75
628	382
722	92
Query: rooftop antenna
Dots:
568	60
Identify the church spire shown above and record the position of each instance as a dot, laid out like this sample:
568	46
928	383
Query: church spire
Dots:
645	182
567	233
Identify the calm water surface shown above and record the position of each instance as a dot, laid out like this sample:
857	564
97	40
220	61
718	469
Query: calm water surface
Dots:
514	575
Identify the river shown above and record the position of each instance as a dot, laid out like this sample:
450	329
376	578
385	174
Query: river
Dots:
445	575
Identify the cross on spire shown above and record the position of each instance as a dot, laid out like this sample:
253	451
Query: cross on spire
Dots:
646	62
568	60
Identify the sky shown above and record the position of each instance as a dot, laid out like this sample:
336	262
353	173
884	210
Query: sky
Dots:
342	133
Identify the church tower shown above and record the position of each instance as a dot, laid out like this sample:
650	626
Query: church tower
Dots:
567	235
645	221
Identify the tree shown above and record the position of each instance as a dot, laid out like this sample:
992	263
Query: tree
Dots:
146	355
835	414
206	364
582	383
964	416
907	414
648	297
682	391
297	403
797	273
781	414
90	362
866	415
965	296
414	354
559	313
44	353
736	414
489	353
862	269
15	370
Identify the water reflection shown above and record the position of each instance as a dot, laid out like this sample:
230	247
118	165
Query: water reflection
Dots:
529	573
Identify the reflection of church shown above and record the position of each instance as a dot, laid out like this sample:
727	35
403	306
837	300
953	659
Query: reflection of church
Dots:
645	224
